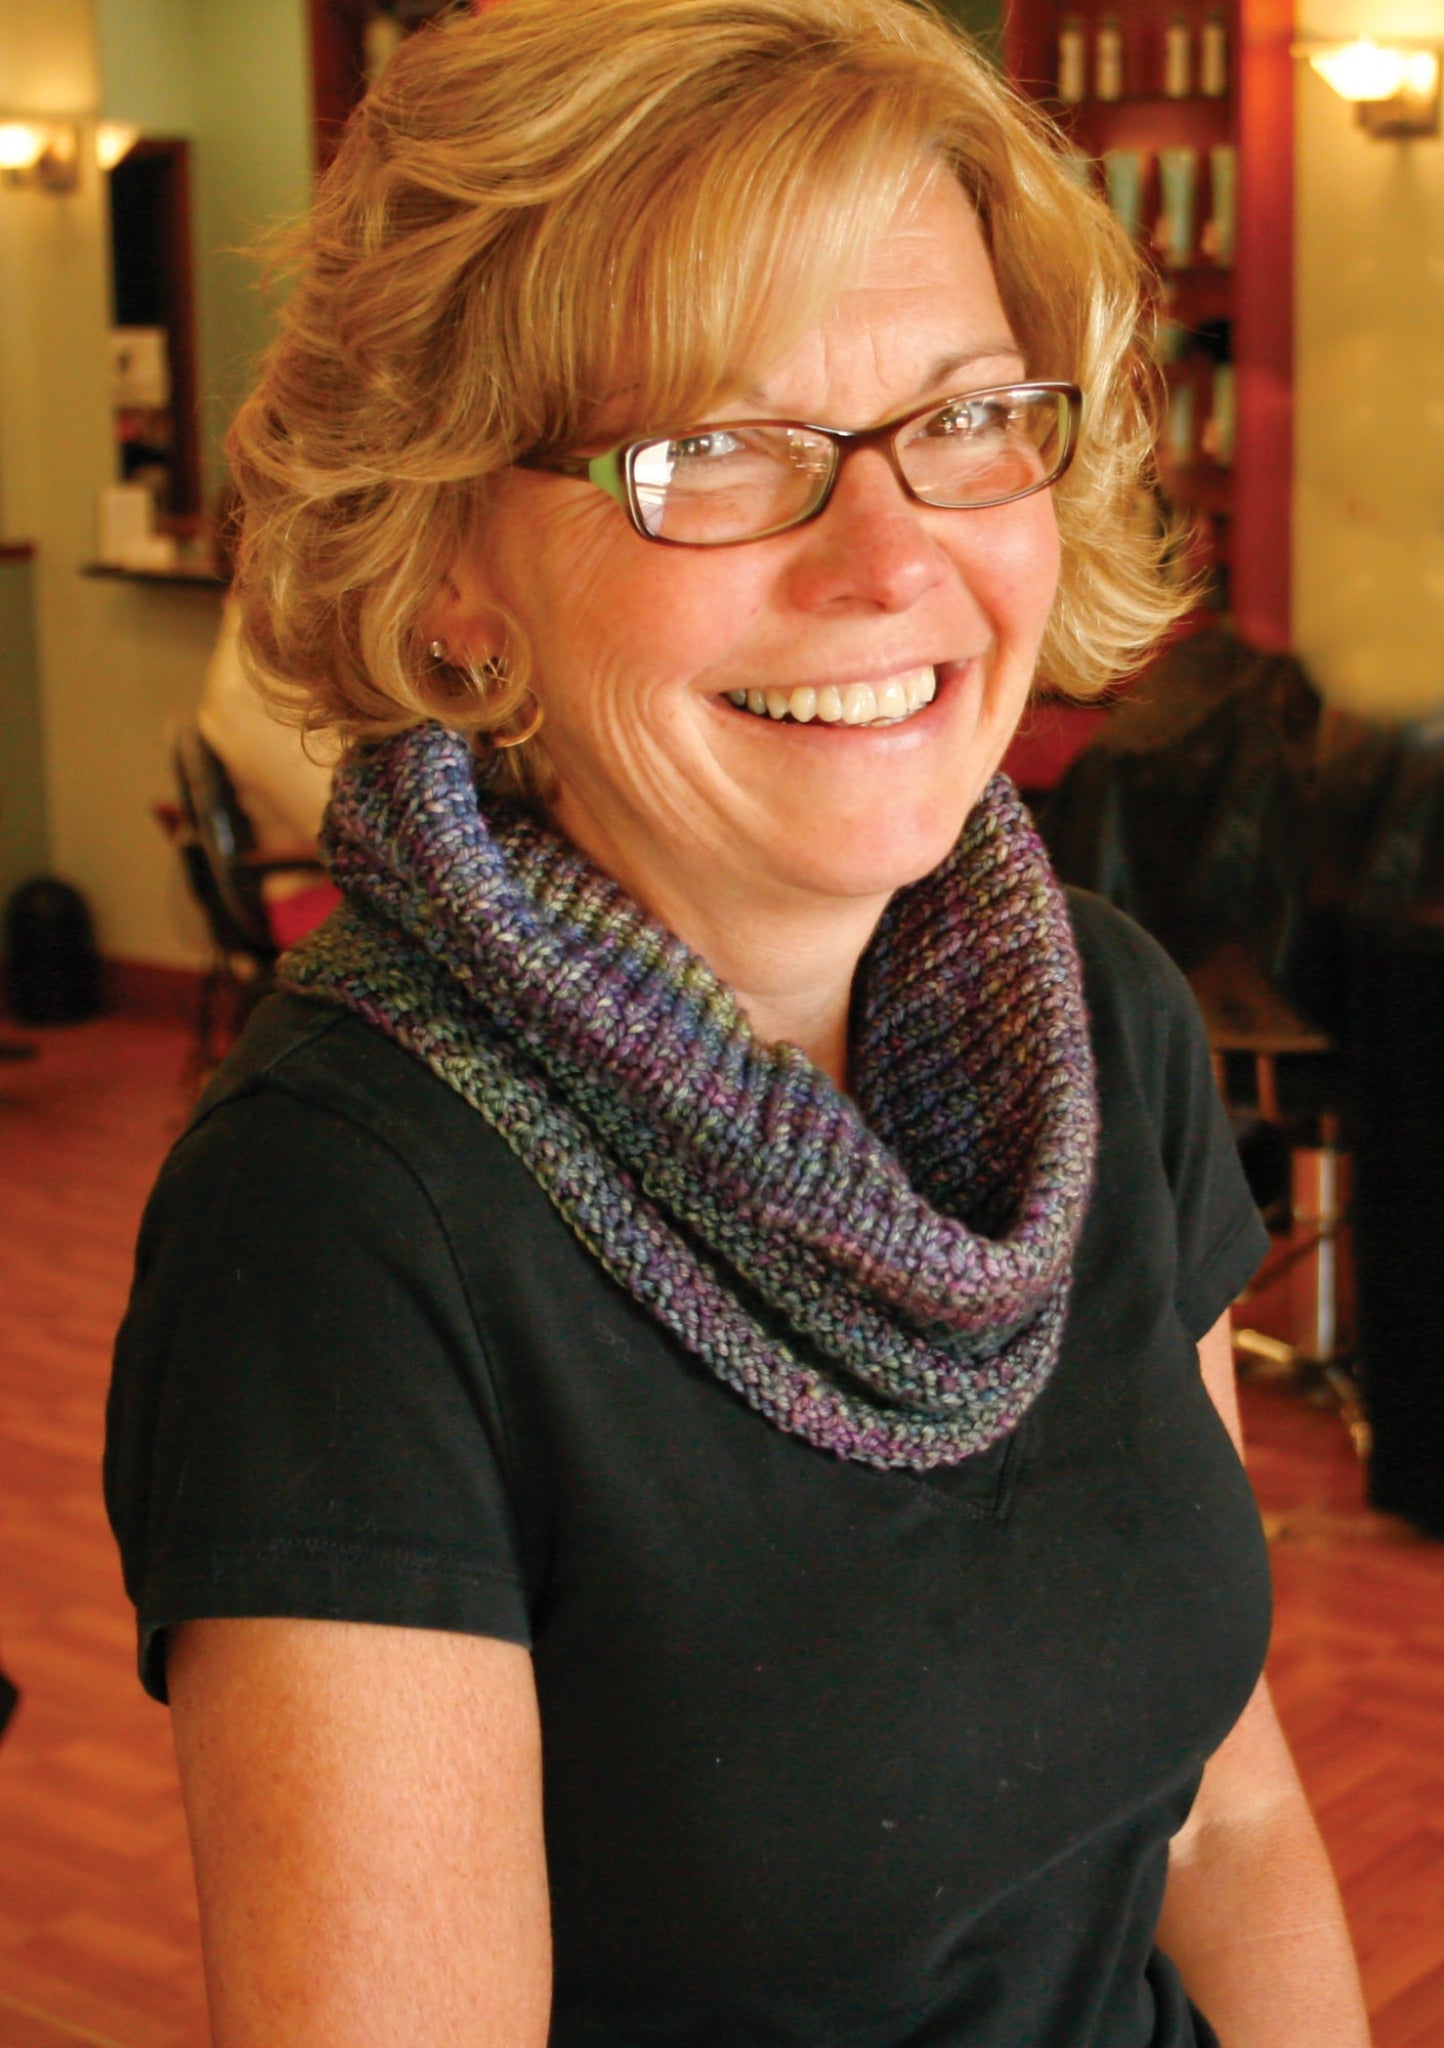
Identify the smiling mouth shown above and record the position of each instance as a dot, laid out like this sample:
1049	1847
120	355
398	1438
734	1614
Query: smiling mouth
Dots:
889	703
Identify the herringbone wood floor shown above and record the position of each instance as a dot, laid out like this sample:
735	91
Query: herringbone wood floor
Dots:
97	1920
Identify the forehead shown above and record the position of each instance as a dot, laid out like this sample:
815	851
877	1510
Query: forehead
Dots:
921	314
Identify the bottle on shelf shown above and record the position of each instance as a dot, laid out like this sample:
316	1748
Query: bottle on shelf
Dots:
1108	59
1179	429
1178	189
1171	344
1123	176
1210	349
1177	59
1217	438
1072	60
1219	230
1213	58
1184	112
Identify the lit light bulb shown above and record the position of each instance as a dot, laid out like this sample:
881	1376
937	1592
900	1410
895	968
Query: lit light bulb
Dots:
21	145
1361	70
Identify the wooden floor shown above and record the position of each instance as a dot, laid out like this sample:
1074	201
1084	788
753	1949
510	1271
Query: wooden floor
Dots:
97	1920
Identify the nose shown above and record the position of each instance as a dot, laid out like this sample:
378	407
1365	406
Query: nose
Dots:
871	548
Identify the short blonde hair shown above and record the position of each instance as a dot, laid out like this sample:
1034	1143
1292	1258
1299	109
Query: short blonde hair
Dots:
544	211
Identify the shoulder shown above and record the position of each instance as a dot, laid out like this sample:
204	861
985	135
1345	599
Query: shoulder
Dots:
311	1182
326	1108
1126	973
345	1165
318	1054
1148	1035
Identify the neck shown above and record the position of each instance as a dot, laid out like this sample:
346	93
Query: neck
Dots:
814	1018
792	976
789	956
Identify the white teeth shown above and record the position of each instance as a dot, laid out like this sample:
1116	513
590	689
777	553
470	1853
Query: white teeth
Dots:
852	704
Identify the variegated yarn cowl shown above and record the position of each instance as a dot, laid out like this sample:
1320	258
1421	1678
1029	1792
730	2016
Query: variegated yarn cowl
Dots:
885	1275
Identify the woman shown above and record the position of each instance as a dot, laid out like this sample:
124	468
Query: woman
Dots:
660	1454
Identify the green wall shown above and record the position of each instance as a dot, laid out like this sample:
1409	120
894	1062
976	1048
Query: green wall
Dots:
146	50
24	840
981	18
253	169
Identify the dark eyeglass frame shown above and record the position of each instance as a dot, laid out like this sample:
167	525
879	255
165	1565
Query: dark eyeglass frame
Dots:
613	471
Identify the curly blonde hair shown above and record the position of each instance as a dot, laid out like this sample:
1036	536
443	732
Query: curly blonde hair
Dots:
541	211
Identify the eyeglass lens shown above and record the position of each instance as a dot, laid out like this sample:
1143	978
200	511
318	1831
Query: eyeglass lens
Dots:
740	481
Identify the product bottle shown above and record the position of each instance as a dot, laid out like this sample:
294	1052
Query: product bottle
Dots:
1108	61
1072	60
1219	434
1177	59
1219	234
1178	185
1213	58
1180	424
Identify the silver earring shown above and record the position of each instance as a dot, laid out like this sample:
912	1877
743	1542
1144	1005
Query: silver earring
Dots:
437	651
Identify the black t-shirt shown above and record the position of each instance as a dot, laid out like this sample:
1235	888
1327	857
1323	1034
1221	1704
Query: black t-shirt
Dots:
834	1758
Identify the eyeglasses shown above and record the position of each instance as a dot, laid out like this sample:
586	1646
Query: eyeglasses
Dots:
740	480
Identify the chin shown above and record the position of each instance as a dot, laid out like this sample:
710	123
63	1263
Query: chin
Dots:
860	866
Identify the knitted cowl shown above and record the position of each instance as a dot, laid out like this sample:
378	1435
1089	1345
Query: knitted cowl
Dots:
885	1275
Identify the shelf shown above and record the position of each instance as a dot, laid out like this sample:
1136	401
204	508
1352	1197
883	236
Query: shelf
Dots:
1160	123
194	575
1195	274
1158	117
1244	509
1150	99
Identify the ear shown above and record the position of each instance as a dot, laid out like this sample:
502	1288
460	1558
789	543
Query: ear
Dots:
462	614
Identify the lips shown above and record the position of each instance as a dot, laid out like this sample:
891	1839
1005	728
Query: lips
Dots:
889	702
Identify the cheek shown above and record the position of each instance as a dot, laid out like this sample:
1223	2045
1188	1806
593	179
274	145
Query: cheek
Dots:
1013	566
1039	573
613	614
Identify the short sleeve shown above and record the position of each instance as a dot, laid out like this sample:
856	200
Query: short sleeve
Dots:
1145	1013
302	1419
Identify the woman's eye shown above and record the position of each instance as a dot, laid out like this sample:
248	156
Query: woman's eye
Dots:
971	417
703	447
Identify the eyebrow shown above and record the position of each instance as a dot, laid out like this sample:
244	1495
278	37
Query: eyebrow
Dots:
944	368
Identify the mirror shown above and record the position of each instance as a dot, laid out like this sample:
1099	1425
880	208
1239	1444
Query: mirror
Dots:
153	350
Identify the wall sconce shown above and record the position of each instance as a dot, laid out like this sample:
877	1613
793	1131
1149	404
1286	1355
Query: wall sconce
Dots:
39	152
1394	86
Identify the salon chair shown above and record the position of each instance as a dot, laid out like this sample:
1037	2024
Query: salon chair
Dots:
226	876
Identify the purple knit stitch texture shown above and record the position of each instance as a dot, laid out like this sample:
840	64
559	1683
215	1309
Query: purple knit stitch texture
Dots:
884	1275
